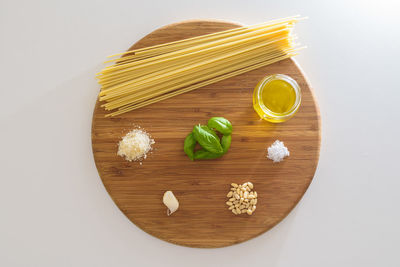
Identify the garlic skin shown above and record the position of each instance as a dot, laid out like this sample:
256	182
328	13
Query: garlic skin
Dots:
171	202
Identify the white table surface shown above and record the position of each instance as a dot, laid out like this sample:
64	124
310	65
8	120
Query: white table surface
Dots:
56	212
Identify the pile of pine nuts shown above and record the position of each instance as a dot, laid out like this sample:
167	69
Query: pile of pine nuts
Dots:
242	199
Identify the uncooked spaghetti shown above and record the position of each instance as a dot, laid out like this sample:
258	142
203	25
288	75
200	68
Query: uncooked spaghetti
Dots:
145	76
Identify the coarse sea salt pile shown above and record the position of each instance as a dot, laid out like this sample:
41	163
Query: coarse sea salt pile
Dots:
277	151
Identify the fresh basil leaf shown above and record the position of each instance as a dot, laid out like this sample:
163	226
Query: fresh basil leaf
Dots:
206	128
188	145
208	140
220	124
226	142
203	154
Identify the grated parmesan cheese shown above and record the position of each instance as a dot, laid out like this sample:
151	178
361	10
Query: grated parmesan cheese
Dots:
277	151
135	145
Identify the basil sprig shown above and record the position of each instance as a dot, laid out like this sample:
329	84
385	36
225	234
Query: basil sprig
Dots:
212	146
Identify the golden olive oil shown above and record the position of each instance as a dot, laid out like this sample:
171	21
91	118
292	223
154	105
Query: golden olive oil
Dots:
276	98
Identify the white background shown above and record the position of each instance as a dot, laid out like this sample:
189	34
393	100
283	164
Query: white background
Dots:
54	208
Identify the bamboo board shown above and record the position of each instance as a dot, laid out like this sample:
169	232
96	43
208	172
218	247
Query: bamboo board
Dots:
203	219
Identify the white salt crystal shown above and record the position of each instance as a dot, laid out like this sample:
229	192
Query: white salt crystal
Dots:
277	151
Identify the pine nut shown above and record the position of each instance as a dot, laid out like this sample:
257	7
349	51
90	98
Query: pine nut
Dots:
250	184
241	198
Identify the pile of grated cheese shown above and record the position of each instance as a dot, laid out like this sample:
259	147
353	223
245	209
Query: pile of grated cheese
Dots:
135	145
277	151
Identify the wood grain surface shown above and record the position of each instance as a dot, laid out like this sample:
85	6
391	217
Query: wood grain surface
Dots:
203	219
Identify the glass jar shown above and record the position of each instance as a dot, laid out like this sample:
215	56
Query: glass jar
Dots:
263	111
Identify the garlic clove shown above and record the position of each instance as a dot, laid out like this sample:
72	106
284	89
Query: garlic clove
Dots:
171	202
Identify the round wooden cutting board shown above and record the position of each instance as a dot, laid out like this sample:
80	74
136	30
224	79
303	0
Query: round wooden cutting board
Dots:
203	219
